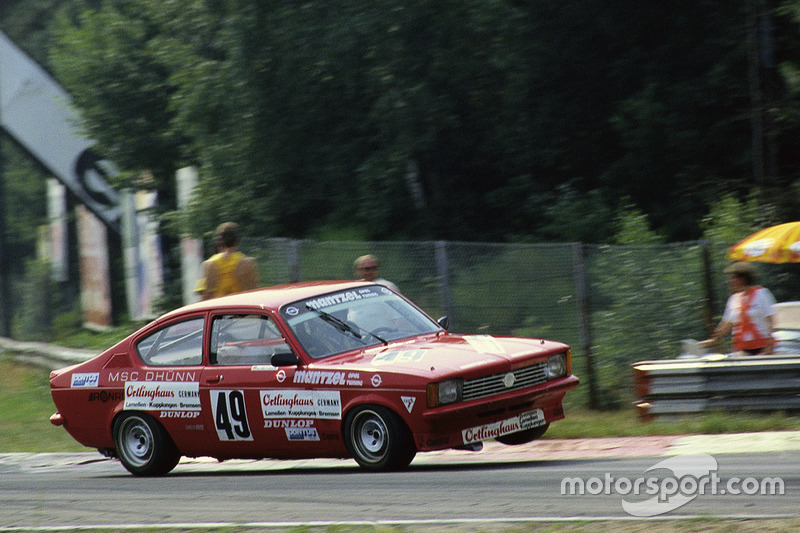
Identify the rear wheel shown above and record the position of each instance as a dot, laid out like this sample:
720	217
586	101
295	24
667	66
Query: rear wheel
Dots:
143	446
524	436
378	439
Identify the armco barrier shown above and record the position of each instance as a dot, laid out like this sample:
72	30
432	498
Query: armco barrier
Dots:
717	383
44	355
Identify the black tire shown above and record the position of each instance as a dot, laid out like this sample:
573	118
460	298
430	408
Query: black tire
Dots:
378	439
143	446
524	436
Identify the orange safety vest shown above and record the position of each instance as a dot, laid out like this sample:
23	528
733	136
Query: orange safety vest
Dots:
225	265
746	336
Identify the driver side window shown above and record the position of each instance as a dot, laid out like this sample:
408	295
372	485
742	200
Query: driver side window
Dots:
245	340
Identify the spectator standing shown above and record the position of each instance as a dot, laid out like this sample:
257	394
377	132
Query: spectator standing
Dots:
228	271
748	313
367	268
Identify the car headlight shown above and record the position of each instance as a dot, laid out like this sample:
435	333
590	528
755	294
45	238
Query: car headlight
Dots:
444	392
557	366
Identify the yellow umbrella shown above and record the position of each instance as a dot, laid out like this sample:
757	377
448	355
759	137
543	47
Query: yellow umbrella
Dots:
776	244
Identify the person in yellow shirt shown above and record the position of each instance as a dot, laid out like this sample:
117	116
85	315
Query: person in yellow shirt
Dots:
228	271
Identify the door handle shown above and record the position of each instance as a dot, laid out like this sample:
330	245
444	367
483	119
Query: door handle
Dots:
213	379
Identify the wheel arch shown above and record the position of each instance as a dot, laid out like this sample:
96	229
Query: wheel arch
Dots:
164	454
378	437
114	415
374	399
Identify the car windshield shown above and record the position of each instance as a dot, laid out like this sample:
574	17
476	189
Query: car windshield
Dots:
346	320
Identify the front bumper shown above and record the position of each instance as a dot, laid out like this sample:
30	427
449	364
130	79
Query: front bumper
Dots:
467	423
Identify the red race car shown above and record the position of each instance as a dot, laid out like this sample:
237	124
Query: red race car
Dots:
320	369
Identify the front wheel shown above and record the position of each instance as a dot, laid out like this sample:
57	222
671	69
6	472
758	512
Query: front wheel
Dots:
378	439
524	436
143	446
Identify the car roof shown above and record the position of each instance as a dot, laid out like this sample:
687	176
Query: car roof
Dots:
270	297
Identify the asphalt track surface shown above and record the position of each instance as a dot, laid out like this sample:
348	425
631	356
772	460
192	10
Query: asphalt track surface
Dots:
497	485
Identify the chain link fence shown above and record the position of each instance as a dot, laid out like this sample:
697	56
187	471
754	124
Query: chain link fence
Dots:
614	305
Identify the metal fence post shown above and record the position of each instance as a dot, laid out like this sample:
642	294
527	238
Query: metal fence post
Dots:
709	304
5	314
584	312
443	275
293	260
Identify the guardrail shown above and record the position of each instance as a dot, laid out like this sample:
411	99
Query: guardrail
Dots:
47	356
717	383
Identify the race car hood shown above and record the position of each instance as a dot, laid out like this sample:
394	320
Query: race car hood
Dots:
462	354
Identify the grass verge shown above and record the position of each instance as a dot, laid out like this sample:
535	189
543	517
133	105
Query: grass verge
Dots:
585	423
26	409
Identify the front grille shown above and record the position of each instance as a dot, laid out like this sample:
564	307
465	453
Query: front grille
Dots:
491	385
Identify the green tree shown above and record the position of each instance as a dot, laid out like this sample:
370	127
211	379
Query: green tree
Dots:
126	105
731	220
23	185
28	23
645	295
433	119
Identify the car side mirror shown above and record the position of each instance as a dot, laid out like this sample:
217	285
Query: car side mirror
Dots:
444	322
284	359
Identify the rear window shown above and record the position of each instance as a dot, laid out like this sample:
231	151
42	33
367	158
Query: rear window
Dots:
178	344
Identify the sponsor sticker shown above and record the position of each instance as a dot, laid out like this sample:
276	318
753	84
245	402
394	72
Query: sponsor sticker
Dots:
323	377
484	344
230	415
154	395
526	420
531	419
408	401
354	379
105	396
437	442
289	423
81	380
404	356
319	377
302	434
333	299
301	404
262	368
151	375
179	414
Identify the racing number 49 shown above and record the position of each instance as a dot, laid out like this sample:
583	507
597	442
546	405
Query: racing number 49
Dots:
230	415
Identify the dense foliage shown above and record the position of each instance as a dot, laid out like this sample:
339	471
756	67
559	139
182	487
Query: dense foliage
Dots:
486	120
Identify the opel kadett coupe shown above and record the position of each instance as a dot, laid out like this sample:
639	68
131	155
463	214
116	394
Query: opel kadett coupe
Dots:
318	369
